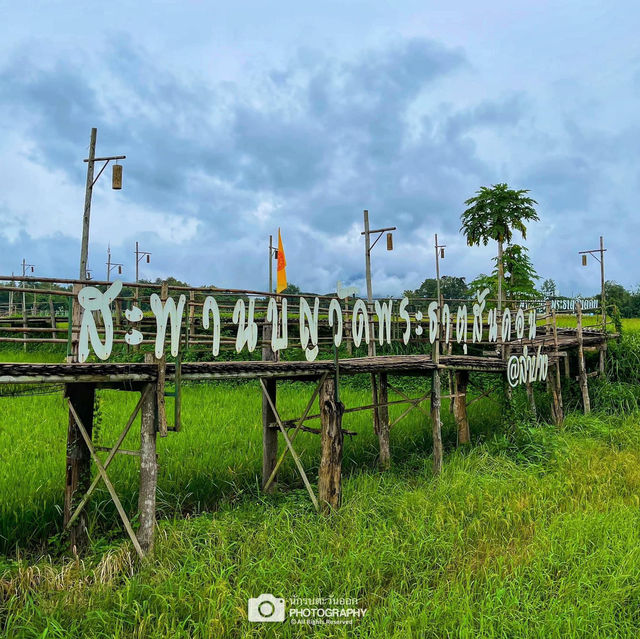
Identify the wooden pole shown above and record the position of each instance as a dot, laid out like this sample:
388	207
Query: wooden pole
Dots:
24	321
330	470
192	315
52	315
269	433
602	349
603	301
436	423
371	346
270	264
556	382
78	465
460	406
84	252
383	424
581	364
531	397
148	471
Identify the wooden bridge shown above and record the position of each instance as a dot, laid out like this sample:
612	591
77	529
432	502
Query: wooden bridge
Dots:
565	348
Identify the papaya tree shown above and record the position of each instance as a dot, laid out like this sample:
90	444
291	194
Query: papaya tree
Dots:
493	214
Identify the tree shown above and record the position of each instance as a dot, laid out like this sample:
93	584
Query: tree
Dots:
494	214
451	287
549	289
291	289
519	275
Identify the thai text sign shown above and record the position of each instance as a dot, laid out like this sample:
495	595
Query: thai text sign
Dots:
447	326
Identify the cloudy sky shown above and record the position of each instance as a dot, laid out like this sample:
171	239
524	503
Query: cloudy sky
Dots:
239	118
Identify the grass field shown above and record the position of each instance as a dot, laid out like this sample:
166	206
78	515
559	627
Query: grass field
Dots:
532	532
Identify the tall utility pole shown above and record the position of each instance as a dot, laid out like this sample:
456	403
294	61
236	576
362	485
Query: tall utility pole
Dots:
91	160
111	265
367	255
602	250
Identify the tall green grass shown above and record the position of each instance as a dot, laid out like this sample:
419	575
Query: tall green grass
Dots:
532	532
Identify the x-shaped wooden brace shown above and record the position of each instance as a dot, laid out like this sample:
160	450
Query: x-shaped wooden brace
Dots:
102	470
415	403
289	440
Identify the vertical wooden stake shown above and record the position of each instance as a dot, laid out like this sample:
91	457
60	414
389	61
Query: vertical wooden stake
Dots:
581	365
192	315
52	315
460	407
330	471
531	397
148	471
118	314
556	382
269	432
376	410
383	424
436	423
602	350
78	472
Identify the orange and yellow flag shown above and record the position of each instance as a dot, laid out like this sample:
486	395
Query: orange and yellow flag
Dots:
282	267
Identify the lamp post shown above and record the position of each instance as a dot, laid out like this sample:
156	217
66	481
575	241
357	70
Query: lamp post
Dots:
600	259
116	185
111	265
368	246
140	255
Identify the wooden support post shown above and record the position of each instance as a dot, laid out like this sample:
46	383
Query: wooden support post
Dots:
531	397
24	320
383	423
460	406
52	315
118	314
581	365
557	408
192	315
435	422
375	410
148	471
602	350
76	318
330	471
78	478
269	433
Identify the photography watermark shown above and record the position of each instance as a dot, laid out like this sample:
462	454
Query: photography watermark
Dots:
305	610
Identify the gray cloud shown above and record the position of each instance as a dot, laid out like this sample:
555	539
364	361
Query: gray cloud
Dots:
305	146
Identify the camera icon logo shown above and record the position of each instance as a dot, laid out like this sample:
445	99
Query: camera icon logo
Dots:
266	607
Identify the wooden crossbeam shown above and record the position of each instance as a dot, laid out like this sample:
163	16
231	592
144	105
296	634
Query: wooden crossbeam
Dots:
289	445
295	432
410	400
415	403
112	453
107	481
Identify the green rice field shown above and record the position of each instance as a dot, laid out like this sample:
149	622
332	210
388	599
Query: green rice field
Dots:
533	531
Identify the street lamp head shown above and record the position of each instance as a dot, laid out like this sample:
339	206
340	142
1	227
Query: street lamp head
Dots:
148	256
116	177
442	253
584	260
119	270
389	241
